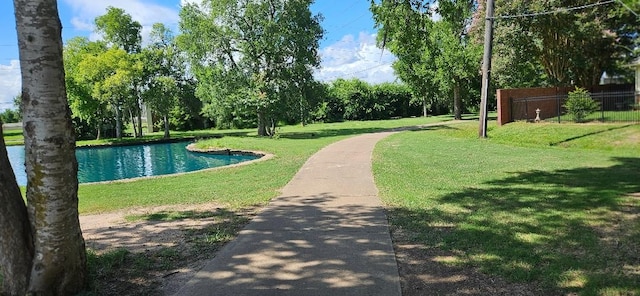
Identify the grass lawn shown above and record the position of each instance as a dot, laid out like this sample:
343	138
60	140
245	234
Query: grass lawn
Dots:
13	137
554	204
237	187
603	116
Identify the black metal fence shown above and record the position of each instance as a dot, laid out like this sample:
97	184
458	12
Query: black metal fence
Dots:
613	107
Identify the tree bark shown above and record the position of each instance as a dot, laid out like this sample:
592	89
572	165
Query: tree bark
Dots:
139	116
166	126
457	102
424	108
16	245
59	261
99	131
133	123
118	122
262	124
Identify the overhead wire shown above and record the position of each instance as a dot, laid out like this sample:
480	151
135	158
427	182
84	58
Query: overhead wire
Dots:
629	8
555	11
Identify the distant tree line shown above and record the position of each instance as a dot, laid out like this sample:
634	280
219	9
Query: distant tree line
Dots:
232	67
251	64
536	43
12	115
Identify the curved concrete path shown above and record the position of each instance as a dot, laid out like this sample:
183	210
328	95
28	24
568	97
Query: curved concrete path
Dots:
326	234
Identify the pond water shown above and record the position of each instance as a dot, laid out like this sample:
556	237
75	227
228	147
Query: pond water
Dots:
125	162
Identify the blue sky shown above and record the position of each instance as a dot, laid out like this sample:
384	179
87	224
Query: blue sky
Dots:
347	50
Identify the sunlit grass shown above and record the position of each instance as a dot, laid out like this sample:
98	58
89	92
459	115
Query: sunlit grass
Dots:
237	187
13	137
546	203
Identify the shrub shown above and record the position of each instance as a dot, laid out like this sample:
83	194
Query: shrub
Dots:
579	105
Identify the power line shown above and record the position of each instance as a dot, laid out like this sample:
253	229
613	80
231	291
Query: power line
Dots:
559	10
629	8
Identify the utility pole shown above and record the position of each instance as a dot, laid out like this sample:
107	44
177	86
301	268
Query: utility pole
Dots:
486	68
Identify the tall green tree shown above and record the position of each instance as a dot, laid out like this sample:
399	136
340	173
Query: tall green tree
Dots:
163	94
404	29
251	54
431	40
83	104
119	30
164	74
111	75
42	251
458	59
541	43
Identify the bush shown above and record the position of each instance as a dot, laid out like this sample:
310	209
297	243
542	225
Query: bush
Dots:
579	105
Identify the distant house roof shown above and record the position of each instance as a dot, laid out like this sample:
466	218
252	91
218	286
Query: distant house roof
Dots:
635	63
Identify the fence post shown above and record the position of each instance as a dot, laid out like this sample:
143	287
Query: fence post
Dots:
601	106
558	104
511	109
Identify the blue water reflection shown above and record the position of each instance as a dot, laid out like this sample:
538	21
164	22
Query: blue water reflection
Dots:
125	162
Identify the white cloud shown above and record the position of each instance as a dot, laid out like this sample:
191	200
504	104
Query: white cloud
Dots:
351	58
145	12
9	84
185	2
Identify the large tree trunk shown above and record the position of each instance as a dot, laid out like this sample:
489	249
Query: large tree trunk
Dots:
166	127
457	102
424	108
139	119
133	123
59	261
99	131
16	244
262	124
118	122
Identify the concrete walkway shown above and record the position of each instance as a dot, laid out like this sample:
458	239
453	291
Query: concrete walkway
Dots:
327	234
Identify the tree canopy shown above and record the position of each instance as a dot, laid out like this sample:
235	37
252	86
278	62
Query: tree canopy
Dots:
435	55
251	54
541	42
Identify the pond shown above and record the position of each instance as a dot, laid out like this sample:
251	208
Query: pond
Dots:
125	162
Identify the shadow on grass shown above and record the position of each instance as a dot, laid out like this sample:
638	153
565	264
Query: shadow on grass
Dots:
358	131
136	258
573	231
588	134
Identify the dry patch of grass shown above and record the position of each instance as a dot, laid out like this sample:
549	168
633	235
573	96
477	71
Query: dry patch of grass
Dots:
154	252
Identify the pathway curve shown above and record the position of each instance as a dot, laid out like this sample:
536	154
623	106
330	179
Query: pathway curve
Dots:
326	234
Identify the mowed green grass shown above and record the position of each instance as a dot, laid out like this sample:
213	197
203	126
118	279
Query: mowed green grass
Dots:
13	136
235	187
552	204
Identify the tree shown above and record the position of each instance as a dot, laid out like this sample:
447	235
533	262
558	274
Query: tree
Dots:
356	97
435	57
458	59
565	47
163	95
251	54
163	73
404	29
111	75
9	116
83	104
119	30
42	251
580	105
